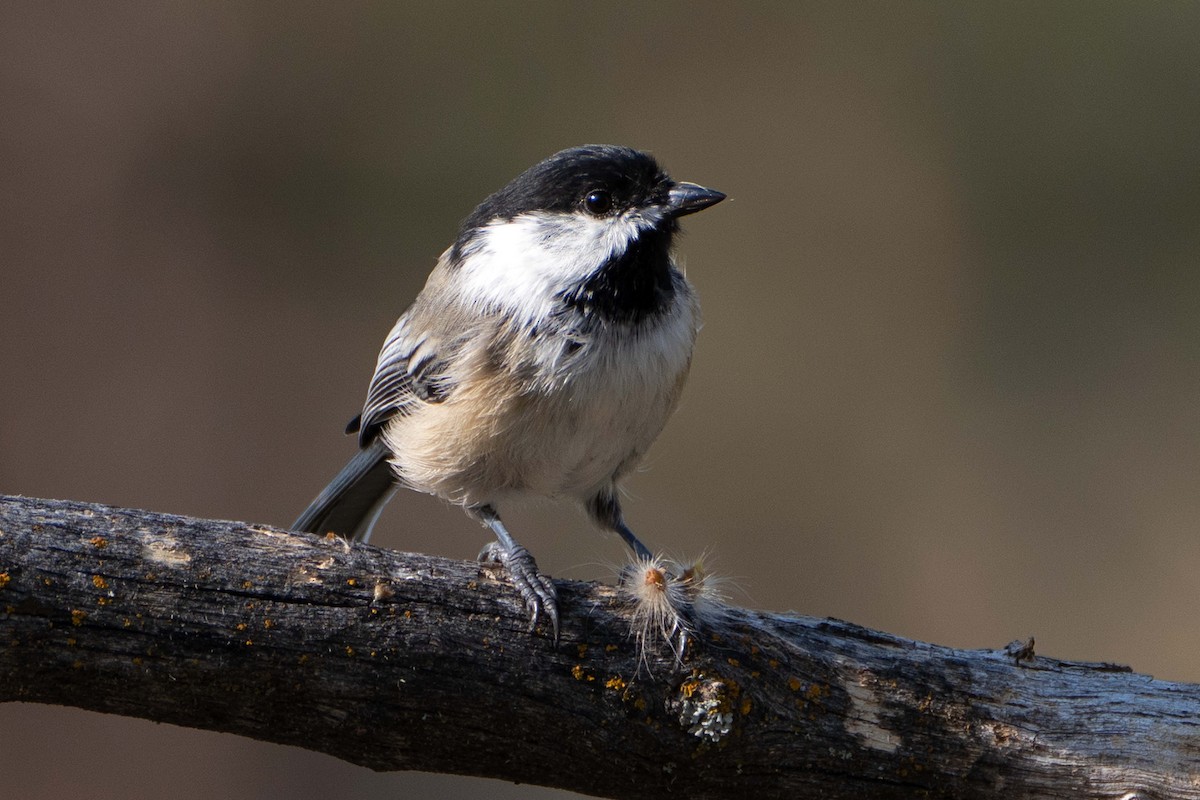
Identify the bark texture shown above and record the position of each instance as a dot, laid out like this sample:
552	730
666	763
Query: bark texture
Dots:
400	661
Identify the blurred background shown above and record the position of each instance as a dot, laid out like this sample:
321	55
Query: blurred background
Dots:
948	381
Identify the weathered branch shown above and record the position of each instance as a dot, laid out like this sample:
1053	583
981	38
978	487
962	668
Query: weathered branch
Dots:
400	661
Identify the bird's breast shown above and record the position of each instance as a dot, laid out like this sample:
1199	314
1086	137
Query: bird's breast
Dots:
564	413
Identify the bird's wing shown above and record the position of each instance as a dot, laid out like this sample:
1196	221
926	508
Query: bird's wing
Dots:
411	369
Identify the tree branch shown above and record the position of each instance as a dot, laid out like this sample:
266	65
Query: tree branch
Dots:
400	661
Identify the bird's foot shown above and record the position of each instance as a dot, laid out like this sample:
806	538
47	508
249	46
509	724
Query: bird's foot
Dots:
669	601
537	590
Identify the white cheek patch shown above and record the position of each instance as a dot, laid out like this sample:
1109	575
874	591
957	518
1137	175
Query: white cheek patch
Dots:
521	265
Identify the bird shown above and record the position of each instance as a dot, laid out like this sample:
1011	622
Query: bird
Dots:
541	359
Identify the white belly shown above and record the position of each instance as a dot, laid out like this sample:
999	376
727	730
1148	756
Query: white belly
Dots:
576	426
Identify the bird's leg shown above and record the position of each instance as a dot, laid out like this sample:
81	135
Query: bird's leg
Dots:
606	511
662	608
536	589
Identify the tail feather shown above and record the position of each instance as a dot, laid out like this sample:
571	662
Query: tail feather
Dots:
353	500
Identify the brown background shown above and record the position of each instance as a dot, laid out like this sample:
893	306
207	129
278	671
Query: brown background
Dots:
947	384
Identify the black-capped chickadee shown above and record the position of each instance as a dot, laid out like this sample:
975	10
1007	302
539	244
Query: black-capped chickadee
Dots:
542	358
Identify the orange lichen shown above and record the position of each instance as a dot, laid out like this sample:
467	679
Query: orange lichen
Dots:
98	542
616	683
99	582
78	616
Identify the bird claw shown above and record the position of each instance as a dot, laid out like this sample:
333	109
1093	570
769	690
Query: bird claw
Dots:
537	590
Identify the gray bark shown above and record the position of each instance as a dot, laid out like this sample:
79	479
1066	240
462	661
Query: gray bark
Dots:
399	661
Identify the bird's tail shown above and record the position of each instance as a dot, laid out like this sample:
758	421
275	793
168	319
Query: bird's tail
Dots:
352	501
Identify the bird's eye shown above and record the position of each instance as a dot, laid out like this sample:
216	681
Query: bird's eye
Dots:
597	202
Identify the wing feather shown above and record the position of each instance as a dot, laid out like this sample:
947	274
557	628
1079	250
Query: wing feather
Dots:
410	370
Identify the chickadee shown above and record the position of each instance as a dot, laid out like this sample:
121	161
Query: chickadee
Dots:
542	358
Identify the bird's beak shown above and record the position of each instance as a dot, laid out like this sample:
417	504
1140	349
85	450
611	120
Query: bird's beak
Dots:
688	198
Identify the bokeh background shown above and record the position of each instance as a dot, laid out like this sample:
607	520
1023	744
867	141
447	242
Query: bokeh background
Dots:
948	383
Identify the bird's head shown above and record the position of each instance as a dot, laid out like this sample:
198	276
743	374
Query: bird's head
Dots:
591	226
